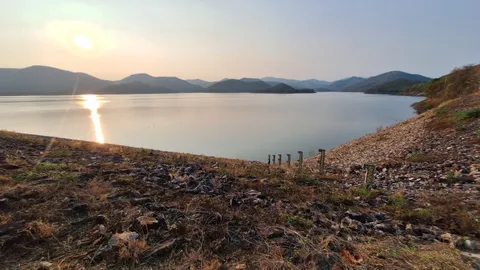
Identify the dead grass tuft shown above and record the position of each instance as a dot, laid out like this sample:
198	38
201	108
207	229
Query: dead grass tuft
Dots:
4	180
39	229
133	250
5	218
389	253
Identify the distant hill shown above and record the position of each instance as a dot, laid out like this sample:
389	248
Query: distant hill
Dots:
299	84
200	83
134	88
42	80
344	83
251	80
173	83
394	87
283	88
364	85
323	89
238	86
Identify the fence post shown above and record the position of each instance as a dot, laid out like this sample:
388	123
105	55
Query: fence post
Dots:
274	158
289	158
369	174
300	160
279	159
321	161
268	159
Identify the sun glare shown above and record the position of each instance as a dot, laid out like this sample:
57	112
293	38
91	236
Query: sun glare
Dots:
83	42
92	103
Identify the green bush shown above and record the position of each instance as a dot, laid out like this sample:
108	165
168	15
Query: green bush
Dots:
300	221
470	114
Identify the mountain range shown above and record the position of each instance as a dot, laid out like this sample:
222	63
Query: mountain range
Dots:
43	80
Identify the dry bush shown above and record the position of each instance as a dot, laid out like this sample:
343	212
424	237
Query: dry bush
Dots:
39	229
4	180
133	250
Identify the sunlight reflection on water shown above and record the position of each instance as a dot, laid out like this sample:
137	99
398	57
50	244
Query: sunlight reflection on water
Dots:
92	103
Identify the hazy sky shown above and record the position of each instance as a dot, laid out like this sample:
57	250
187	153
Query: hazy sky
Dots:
215	39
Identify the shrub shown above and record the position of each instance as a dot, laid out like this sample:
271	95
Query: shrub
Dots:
300	221
470	114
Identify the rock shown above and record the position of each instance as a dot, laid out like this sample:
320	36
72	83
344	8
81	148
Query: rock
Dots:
428	237
100	219
388	228
276	233
122	238
363	218
140	201
189	170
44	265
467	244
4	203
155	207
241	266
380	216
81	208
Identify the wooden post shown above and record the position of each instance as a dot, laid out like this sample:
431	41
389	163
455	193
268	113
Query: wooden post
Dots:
321	161
279	159
289	158
268	159
369	174
300	160
274	159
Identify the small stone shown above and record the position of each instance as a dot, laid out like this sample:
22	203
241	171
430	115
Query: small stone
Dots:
101	219
117	239
428	237
4	203
44	265
80	208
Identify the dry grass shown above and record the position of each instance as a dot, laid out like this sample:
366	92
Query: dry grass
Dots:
133	250
39	229
4	180
5	218
389	253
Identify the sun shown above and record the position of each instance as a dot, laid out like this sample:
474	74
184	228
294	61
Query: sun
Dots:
83	42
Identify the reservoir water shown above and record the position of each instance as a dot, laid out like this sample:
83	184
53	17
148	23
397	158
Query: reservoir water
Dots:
246	126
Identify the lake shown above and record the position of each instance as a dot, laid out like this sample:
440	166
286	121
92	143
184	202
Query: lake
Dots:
245	126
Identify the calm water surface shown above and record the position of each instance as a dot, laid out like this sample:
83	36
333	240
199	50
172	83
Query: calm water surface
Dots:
247	126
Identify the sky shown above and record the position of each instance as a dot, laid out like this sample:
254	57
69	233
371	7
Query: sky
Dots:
216	39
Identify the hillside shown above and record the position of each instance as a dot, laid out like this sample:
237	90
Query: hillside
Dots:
201	83
238	86
133	88
344	83
375	81
460	82
284	89
299	84
173	83
41	80
394	87
414	90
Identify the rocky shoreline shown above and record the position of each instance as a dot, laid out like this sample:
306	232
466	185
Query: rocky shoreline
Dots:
68	204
